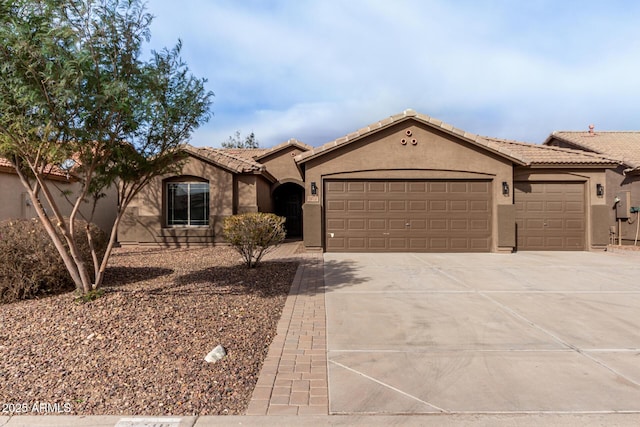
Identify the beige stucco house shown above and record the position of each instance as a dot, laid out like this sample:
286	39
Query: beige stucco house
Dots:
15	202
406	183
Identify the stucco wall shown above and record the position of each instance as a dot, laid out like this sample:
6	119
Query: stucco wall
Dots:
282	165
263	190
15	202
144	221
436	155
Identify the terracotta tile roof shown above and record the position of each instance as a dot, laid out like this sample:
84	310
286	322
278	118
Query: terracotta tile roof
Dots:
226	158
5	163
536	154
51	169
245	153
410	114
621	145
290	143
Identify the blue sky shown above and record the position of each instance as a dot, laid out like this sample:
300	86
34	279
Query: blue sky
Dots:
316	70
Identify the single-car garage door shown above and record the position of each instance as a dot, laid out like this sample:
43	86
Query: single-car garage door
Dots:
550	216
407	215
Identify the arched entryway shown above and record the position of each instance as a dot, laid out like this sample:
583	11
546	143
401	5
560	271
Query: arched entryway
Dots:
287	200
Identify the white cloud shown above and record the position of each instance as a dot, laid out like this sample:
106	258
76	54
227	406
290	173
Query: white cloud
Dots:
316	70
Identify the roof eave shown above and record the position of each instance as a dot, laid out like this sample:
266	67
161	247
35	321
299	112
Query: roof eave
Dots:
572	165
290	143
206	159
430	122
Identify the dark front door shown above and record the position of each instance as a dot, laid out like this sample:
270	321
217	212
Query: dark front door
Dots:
288	203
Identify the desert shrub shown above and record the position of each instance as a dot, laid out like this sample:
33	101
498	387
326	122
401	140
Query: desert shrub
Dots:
31	266
254	234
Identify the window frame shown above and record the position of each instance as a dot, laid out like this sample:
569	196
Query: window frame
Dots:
188	181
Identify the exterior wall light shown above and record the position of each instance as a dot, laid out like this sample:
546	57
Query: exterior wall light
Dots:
505	188
314	188
599	190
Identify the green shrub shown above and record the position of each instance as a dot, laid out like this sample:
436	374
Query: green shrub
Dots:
31	266
254	234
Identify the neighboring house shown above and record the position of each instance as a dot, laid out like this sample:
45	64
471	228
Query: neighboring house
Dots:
622	182
16	204
405	183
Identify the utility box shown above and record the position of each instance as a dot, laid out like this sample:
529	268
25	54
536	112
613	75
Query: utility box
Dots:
623	205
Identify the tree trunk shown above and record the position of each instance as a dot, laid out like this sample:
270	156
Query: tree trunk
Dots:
107	254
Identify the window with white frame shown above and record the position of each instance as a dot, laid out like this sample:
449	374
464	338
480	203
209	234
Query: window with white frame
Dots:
187	204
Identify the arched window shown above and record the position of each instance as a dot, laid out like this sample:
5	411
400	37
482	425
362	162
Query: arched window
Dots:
187	202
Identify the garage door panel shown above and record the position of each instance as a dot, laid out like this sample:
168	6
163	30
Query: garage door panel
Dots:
357	243
397	187
337	243
374	243
479	245
336	187
377	224
377	187
438	225
458	205
355	205
575	224
459	243
417	206
554	224
338	224
398	243
552	207
459	225
479	187
481	225
417	224
355	187
336	205
573	242
537	206
438	206
397	224
418	244
377	205
577	207
479	206
550	215
356	224
458	187
437	187
396	215
397	206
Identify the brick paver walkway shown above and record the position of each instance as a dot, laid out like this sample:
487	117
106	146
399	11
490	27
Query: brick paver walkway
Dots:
293	379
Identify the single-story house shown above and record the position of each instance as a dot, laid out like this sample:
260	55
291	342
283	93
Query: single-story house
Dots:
406	183
622	183
16	203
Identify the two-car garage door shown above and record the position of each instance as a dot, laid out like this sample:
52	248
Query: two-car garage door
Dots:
408	215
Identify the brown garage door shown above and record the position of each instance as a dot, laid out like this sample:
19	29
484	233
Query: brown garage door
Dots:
550	216
415	216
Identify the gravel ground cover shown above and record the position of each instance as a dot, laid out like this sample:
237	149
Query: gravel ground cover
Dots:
139	349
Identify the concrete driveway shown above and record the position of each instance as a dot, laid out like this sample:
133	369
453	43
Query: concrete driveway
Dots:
476	333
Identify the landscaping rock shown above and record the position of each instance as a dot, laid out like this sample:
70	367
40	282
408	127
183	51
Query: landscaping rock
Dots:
216	354
158	316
